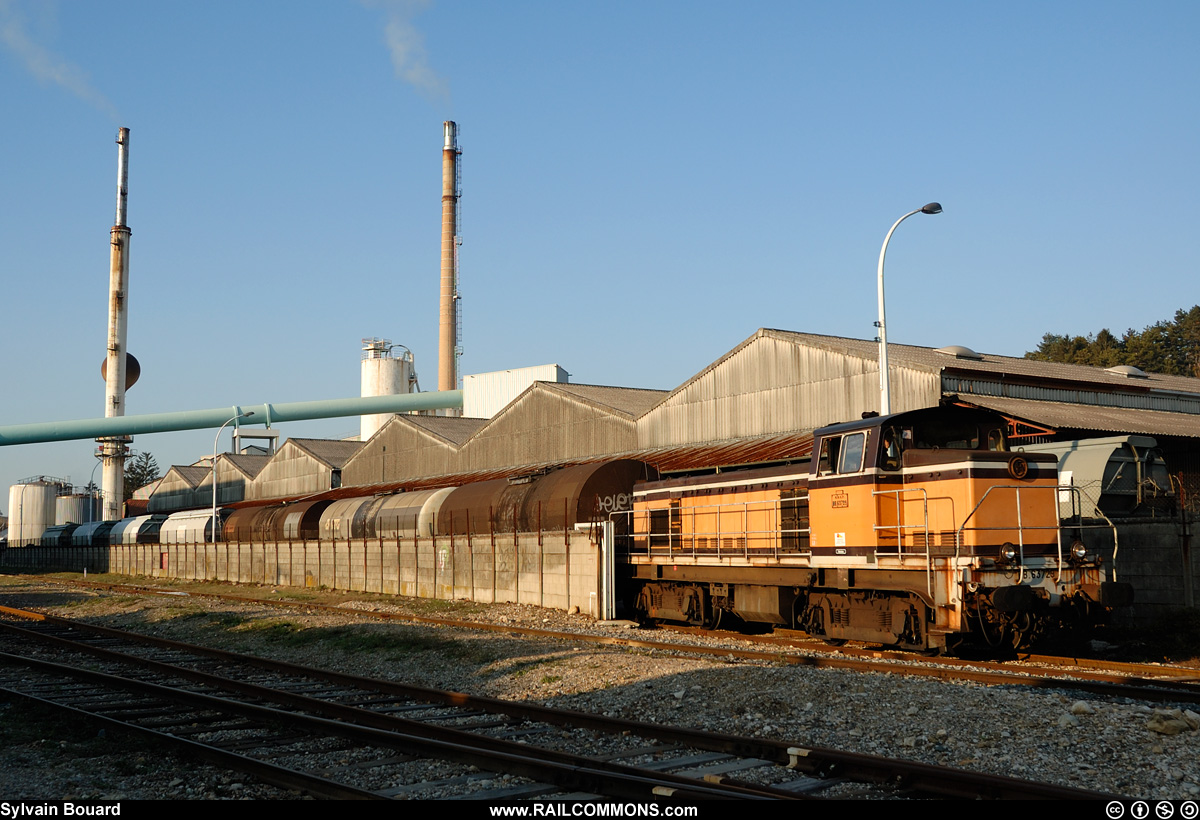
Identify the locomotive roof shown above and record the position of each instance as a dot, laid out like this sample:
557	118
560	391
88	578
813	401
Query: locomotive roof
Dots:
910	416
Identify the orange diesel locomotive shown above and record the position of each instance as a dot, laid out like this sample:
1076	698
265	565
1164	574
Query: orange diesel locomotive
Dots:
917	529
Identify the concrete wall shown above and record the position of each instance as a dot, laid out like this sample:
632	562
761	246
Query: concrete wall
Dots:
1155	555
555	570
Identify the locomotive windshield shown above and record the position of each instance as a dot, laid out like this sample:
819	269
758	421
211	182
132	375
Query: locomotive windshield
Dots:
959	435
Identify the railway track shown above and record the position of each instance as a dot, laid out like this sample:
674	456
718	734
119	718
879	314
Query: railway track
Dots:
337	735
1156	683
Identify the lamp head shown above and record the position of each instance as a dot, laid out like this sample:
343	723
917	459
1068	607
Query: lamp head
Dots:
932	208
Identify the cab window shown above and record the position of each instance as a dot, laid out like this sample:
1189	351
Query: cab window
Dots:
889	457
853	446
829	455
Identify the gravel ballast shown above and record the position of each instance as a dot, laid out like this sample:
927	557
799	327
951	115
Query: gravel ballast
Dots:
1120	746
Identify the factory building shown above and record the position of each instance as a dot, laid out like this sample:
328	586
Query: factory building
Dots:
177	489
755	404
235	472
302	466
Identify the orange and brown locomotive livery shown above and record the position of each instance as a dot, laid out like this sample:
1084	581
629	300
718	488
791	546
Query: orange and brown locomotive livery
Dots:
917	529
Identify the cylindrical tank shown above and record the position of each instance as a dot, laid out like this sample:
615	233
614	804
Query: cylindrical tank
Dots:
406	515
92	534
347	518
77	508
253	523
142	529
554	501
301	522
383	374
58	536
190	527
31	508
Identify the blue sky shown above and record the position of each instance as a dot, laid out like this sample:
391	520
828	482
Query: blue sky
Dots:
644	185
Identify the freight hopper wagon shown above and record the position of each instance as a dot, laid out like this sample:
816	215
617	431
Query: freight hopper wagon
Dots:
917	529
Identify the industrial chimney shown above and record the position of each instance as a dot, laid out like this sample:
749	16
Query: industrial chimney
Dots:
448	314
113	449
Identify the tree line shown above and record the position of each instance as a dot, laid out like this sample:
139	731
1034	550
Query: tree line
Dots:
1171	347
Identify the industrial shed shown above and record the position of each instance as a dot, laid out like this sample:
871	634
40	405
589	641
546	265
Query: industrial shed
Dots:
177	489
408	447
303	466
235	472
559	422
753	405
779	382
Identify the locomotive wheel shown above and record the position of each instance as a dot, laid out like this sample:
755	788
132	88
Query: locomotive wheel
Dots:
641	609
713	621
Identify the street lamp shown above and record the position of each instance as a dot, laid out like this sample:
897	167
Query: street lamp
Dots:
91	488
885	399
214	469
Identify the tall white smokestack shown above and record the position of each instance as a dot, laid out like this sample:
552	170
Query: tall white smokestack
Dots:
448	350
113	450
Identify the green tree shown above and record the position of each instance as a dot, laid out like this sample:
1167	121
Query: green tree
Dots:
1170	347
139	471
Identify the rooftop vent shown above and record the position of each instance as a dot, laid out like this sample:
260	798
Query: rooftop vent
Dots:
1128	371
960	352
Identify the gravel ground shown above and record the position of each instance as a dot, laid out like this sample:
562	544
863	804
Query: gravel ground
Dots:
1118	746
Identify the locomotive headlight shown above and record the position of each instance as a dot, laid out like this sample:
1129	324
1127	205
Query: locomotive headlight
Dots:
1079	551
1008	552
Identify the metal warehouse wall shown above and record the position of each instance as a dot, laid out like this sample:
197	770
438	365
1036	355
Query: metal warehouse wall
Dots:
547	425
294	471
177	490
773	384
398	451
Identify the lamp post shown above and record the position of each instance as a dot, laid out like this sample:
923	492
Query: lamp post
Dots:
91	484
885	399
214	469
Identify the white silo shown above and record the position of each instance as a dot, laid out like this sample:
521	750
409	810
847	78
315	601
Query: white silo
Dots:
31	509
384	374
78	508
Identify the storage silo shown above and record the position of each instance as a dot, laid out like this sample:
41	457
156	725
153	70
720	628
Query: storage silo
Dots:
31	509
77	508
383	374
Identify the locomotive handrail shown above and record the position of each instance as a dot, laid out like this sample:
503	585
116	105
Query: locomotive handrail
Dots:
1057	527
901	527
684	542
958	535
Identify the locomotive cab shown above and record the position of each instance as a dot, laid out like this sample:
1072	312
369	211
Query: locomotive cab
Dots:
933	481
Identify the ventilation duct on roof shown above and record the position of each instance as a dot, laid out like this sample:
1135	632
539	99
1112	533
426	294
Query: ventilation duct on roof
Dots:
960	352
1128	371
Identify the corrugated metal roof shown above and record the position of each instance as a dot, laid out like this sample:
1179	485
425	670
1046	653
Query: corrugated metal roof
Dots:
191	476
332	452
718	455
144	492
629	401
927	358
1061	415
453	429
728	454
248	465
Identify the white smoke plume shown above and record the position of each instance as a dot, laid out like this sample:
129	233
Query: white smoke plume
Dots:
44	64
408	46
